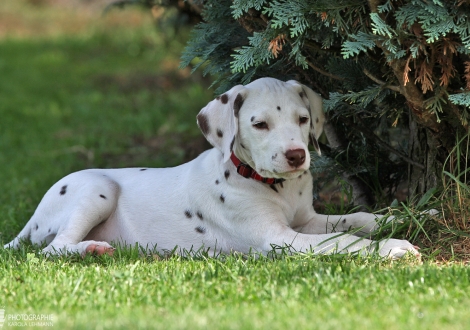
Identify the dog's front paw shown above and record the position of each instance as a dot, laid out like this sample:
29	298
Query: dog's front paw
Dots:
395	248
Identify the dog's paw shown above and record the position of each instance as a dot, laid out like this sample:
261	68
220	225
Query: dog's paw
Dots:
96	248
395	248
93	247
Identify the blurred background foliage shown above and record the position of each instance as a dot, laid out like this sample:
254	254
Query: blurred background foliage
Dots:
81	88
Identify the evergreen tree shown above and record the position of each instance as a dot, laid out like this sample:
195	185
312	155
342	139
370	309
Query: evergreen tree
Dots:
394	74
382	66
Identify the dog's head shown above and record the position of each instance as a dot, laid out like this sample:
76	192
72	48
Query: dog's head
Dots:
267	123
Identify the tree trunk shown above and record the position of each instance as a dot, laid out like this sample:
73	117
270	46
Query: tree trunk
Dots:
423	149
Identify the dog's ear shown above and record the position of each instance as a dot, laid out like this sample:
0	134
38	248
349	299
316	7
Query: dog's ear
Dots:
218	120
314	103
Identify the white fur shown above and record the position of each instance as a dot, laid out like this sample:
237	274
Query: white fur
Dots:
205	203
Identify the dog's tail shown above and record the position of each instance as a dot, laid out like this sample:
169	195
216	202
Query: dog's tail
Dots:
24	235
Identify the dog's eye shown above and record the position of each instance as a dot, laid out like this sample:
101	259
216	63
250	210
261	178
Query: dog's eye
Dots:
303	120
261	125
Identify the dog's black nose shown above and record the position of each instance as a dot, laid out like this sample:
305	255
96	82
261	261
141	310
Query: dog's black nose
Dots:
295	157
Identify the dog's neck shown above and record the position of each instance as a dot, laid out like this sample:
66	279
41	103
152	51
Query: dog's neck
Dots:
243	155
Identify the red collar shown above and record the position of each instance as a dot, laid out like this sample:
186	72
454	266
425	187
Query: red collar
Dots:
247	172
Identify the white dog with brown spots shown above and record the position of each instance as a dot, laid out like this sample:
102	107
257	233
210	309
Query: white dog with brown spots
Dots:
250	193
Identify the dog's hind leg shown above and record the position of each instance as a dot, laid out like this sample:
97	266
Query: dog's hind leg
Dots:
24	235
69	211
94	203
70	236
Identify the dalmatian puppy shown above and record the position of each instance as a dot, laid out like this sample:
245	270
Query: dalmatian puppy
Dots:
250	193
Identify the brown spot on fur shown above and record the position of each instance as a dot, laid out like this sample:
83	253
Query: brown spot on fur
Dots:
203	123
279	108
220	134
226	174
237	104
222	198
224	98
63	190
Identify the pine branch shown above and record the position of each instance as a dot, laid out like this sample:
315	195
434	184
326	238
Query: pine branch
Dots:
254	21
323	72
380	82
315	46
374	6
413	95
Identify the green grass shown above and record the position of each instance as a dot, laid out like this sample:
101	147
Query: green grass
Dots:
303	292
98	93
103	98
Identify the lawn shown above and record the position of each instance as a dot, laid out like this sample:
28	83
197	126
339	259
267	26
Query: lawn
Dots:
81	90
300	292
